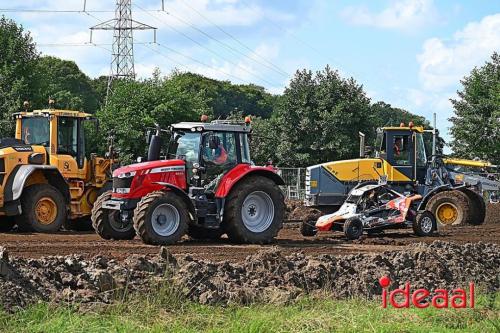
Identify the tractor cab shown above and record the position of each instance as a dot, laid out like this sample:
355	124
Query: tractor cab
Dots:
61	132
209	149
403	148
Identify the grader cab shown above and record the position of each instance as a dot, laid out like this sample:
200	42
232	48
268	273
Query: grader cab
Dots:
46	179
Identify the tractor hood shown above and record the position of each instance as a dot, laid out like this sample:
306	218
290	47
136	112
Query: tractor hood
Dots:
134	168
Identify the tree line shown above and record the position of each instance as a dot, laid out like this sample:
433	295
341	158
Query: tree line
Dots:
316	119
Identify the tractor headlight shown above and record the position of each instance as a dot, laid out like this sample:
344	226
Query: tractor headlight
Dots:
127	174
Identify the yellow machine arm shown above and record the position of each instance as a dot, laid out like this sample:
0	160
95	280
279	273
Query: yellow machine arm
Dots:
469	163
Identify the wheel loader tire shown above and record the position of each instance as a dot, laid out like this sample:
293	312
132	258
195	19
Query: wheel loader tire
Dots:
425	224
308	229
353	228
161	218
43	209
254	211
477	208
200	233
108	224
7	223
449	207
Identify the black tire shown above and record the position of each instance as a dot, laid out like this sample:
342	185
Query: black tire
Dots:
106	222
477	208
148	229
308	229
200	233
51	206
456	199
248	188
425	224
7	223
353	228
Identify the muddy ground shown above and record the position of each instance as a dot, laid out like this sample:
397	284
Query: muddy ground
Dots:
289	241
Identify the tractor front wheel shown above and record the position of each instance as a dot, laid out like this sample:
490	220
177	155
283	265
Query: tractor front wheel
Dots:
7	223
254	211
161	218
108	223
43	209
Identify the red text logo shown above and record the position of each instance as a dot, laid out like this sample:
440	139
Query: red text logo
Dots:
423	298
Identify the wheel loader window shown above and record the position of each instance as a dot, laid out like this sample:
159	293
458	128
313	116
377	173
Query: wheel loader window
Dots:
35	131
421	157
67	136
401	150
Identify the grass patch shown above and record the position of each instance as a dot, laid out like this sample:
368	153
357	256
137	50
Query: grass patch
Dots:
165	312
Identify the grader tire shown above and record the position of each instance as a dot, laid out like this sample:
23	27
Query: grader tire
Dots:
450	207
43	209
477	208
7	223
161	218
106	222
254	211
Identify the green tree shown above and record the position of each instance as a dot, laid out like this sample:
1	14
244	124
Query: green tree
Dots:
17	60
64	82
136	105
476	123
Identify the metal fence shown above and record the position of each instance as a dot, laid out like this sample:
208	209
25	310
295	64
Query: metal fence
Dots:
294	178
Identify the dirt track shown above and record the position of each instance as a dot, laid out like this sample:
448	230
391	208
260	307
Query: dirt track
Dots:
289	241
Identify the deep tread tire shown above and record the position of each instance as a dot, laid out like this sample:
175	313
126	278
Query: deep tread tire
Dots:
7	223
101	221
233	221
419	227
477	208
143	223
353	228
307	229
457	198
200	233
28	221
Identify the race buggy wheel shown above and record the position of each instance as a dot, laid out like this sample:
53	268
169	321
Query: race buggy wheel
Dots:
353	228
7	223
449	207
200	233
425	224
161	218
308	228
254	211
108	223
43	209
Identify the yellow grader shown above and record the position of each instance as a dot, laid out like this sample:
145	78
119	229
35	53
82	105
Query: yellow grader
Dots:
46	180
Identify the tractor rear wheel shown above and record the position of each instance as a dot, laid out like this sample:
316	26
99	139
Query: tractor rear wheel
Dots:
254	211
108	223
43	209
161	218
353	228
7	223
425	224
200	233
449	207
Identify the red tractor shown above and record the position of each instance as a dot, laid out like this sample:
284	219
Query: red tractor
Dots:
206	186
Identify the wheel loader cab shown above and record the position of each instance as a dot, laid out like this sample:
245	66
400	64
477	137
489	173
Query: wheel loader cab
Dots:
62	134
403	148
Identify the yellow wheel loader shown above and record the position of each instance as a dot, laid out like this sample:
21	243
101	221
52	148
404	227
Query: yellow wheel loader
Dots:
399	159
46	180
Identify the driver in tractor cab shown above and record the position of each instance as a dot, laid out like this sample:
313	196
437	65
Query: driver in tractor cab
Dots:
216	152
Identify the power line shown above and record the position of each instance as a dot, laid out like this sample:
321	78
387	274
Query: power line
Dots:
208	49
271	65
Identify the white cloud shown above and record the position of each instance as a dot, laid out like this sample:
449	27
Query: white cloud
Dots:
444	62
404	15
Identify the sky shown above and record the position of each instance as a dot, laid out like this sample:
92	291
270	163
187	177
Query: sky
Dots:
411	54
